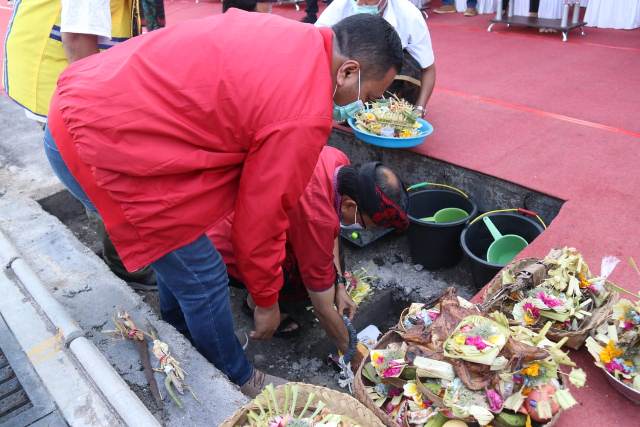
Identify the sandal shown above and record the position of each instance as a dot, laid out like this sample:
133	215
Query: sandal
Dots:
284	329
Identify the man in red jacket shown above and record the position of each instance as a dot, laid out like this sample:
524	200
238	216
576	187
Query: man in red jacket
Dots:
338	195
169	132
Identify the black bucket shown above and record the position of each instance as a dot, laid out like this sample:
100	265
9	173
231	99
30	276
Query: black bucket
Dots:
435	245
475	240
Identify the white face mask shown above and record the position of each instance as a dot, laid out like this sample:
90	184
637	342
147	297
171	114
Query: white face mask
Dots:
355	226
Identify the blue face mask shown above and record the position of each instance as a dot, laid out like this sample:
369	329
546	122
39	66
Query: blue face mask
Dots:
367	8
343	112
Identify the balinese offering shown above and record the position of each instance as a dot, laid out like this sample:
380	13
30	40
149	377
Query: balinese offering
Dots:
616	347
455	363
302	405
559	289
390	117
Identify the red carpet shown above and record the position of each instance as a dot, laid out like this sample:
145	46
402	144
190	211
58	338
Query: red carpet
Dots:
559	118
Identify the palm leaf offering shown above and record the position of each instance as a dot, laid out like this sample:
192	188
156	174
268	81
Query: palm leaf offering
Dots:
391	117
294	411
616	344
559	289
466	365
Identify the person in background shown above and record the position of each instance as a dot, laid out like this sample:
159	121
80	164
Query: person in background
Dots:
338	195
153	14
35	55
449	7
163	156
409	22
311	10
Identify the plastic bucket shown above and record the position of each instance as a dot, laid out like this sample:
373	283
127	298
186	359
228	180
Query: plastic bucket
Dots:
476	239
431	244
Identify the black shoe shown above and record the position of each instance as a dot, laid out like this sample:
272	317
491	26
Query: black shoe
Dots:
309	19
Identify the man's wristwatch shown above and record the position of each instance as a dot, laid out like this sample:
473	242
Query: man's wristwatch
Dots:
421	110
340	280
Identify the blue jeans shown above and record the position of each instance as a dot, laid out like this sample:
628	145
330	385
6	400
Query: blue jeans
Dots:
192	286
470	3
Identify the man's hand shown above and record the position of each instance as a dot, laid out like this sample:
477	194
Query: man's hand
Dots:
344	303
266	321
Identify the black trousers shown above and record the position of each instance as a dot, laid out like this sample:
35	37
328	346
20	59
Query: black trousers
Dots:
312	7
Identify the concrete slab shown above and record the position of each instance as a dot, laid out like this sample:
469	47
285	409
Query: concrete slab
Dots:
23	166
79	280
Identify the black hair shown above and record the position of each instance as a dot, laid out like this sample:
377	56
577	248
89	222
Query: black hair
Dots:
391	185
248	5
371	41
348	182
388	182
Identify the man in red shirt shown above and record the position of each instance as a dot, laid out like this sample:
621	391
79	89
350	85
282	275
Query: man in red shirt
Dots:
169	132
337	195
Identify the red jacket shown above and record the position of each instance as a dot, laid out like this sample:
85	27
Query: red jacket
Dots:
173	130
313	227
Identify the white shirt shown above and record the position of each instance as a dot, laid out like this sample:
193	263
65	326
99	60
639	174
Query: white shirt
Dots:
87	17
402	15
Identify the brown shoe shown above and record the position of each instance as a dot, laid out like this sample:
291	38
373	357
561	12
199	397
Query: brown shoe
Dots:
448	8
471	11
258	381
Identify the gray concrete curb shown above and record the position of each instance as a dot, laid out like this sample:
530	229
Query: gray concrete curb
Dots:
125	403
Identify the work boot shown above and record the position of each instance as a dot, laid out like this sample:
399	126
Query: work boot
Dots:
447	8
470	11
258	381
309	19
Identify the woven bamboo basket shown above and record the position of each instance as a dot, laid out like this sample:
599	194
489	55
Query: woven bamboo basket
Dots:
575	339
337	403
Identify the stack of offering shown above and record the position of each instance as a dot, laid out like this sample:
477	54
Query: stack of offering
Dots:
558	289
455	363
616	348
390	117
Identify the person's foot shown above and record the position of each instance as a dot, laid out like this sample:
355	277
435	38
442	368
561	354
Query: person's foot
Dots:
447	8
471	11
258	381
309	19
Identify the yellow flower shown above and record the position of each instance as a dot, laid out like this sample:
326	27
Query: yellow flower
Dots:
494	339
610	352
533	370
584	283
460	339
528	422
528	319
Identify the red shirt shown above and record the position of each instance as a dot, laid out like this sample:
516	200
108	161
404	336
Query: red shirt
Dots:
173	130
313	226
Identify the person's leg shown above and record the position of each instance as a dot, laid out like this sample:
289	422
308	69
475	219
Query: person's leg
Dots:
144	278
447	7
196	277
312	11
62	172
471	8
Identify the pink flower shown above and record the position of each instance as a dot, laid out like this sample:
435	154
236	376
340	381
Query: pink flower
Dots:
614	366
389	408
495	400
477	342
549	301
433	315
466	328
393	370
627	325
532	309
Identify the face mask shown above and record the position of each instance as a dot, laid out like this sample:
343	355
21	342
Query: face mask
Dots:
367	8
343	112
355	226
